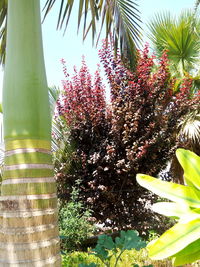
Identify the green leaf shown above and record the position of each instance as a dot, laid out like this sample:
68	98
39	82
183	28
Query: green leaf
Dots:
175	239
3	27
63	237
179	36
101	252
129	240
106	242
87	265
174	192
190	125
121	19
172	209
190	163
189	254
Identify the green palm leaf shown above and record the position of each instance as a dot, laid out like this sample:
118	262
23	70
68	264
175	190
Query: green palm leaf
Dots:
180	37
189	127
120	18
3	23
196	5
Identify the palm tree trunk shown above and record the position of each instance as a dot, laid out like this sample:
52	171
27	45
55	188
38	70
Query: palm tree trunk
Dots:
28	203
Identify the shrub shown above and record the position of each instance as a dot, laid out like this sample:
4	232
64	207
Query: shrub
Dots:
74	224
135	133
129	257
110	252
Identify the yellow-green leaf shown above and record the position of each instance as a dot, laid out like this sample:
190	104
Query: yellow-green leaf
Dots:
191	165
175	239
189	254
175	192
172	209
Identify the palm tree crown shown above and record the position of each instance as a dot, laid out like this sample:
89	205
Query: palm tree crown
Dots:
180	37
121	19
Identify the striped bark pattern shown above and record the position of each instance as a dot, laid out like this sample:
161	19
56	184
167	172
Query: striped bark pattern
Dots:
28	206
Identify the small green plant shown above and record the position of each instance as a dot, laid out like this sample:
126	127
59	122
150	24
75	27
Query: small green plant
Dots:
182	241
74	224
107	249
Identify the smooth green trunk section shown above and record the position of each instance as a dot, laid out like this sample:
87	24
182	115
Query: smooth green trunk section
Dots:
28	173
27	158
25	93
29	189
27	135
29	204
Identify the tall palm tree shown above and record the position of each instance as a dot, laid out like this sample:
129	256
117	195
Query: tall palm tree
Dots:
180	37
28	214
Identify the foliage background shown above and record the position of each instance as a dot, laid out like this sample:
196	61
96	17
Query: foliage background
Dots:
108	144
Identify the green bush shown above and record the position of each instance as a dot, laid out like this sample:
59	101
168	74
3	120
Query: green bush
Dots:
74	224
110	251
128	259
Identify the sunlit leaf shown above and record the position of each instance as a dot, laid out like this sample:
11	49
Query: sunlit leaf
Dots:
175	239
191	165
172	209
189	254
174	192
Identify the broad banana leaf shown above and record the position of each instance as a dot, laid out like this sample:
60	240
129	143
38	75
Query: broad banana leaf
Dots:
175	192
188	255
175	239
172	209
191	165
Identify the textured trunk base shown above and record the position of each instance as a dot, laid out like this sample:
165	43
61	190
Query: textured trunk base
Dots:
55	262
28	207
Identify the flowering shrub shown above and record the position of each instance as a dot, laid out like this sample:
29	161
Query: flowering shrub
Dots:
82	100
136	133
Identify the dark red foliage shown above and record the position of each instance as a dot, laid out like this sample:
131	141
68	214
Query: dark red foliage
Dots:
82	100
136	134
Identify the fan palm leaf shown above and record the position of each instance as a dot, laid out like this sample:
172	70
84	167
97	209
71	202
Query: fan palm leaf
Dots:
189	128
180	37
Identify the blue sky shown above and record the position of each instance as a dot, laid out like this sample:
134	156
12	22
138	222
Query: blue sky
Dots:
70	46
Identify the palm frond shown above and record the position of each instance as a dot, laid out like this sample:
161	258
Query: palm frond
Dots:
196	5
122	18
3	24
189	127
54	93
119	18
180	37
